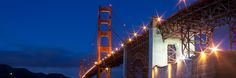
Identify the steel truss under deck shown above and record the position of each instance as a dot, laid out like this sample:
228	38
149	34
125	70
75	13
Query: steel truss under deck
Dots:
199	21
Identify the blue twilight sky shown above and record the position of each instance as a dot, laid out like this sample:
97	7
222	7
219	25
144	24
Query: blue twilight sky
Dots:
53	35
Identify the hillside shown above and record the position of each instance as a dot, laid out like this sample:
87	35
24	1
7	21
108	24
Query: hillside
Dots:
7	71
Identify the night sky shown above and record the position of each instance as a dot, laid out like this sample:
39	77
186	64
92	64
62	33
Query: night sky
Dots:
53	35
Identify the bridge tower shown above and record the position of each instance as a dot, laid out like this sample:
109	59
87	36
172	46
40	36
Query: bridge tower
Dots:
104	19
81	68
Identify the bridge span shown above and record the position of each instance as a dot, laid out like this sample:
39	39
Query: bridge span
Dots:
184	38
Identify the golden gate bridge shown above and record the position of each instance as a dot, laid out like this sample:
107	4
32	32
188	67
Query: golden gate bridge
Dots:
172	48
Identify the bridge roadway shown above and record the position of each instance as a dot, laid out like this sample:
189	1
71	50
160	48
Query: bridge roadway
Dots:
201	16
116	59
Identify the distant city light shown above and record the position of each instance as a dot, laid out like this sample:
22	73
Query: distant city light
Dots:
11	73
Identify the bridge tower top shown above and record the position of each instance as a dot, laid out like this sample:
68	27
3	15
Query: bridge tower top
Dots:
104	31
104	37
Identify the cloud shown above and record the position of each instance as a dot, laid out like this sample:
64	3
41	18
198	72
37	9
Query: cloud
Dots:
34	56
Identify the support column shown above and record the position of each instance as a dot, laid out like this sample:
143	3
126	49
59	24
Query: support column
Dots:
124	62
157	49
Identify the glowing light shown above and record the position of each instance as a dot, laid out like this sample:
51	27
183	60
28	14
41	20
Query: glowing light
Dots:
106	68
203	57
116	49
95	63
135	34
159	19
153	74
169	70
155	69
122	45
144	27
11	74
202	53
214	49
108	55
129	39
112	52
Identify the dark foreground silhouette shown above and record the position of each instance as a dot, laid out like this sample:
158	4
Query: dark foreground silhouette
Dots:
7	71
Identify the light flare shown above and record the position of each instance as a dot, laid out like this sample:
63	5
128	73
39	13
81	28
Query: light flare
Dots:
130	39
215	48
135	34
159	19
182	1
95	63
116	49
106	68
122	44
144	27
